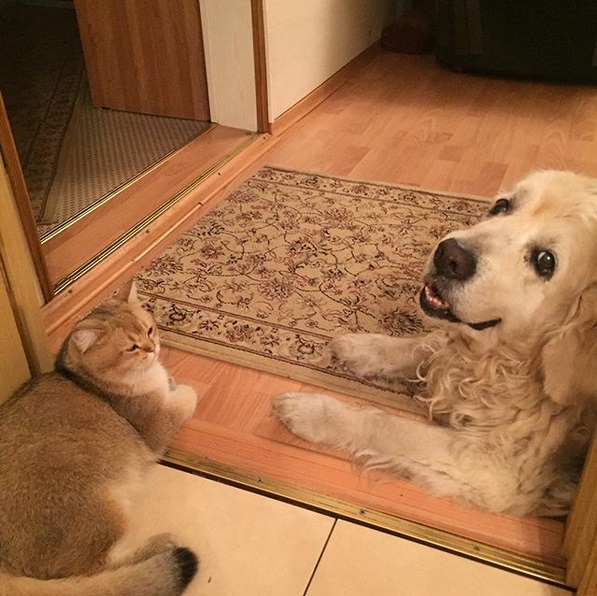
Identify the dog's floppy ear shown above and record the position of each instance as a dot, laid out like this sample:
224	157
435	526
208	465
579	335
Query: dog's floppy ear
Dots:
569	359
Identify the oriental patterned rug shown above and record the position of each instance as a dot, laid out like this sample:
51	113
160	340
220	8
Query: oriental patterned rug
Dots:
290	260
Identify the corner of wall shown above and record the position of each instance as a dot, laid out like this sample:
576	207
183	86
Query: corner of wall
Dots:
229	62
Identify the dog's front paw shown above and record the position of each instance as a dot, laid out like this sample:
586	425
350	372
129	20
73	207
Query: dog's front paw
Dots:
363	354
307	415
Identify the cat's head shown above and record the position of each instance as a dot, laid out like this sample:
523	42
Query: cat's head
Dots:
117	338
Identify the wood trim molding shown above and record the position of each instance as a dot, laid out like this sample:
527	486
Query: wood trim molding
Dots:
14	366
19	277
318	95
23	203
261	92
580	545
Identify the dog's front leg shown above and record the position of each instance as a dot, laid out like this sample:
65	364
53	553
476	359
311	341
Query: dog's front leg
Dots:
430	455
436	457
370	355
407	445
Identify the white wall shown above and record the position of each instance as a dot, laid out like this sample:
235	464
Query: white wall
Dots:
307	41
229	62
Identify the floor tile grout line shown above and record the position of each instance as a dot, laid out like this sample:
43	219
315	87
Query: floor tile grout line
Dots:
321	554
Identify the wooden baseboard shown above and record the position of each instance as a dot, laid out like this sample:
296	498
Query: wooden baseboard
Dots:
318	95
96	279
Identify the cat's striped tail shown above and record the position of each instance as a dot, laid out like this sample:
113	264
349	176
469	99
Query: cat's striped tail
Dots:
167	573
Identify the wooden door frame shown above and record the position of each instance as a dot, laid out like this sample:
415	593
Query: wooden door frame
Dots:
23	203
259	56
580	545
19	278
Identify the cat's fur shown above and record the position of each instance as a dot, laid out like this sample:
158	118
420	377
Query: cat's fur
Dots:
75	445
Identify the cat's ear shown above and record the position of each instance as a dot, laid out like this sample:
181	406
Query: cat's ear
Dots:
84	338
128	292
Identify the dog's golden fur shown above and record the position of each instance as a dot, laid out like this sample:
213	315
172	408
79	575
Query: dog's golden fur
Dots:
508	377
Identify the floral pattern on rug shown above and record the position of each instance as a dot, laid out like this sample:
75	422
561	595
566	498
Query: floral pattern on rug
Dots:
290	260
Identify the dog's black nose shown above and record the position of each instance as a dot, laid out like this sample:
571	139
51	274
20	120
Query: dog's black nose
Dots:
454	261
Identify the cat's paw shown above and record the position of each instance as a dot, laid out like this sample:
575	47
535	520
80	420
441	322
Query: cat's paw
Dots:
363	354
185	397
310	416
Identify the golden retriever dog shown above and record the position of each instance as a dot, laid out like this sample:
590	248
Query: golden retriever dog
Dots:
510	375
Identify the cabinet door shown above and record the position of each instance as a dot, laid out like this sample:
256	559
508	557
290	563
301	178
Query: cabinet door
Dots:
145	56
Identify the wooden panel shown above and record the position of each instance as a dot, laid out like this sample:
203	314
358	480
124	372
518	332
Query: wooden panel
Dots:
21	283
145	56
580	545
14	370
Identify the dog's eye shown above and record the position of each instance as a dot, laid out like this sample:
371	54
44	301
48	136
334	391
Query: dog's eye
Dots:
544	263
500	206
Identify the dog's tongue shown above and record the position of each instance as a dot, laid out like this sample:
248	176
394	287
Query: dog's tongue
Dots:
433	297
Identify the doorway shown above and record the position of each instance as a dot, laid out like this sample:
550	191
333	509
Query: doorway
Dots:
77	154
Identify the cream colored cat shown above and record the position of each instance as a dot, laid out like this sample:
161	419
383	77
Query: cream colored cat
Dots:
74	448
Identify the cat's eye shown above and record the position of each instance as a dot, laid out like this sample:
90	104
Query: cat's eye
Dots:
150	331
133	348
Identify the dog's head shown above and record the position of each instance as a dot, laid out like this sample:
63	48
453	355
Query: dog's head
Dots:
528	270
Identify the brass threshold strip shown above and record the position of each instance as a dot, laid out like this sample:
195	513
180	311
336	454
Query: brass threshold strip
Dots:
446	541
65	282
120	188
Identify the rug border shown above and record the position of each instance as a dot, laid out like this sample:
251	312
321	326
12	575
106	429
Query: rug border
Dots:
451	194
334	383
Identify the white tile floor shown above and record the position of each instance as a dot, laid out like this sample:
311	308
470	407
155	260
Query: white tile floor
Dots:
250	545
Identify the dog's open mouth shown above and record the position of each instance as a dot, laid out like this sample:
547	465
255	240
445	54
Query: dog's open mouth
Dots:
435	305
